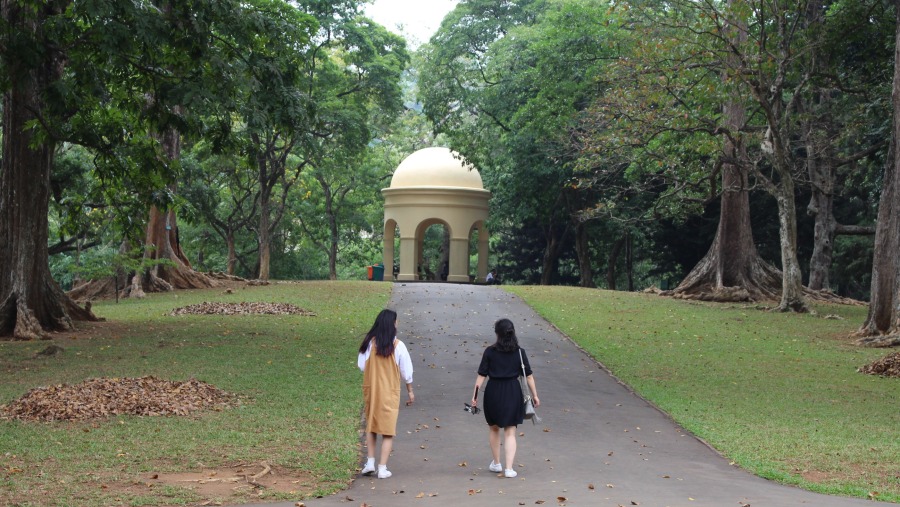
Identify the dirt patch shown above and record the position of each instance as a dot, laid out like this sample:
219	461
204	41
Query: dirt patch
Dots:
229	483
243	308
105	397
814	476
888	366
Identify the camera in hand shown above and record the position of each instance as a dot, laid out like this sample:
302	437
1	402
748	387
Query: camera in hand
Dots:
470	409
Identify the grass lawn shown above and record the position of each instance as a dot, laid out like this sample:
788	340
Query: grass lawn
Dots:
297	378
778	394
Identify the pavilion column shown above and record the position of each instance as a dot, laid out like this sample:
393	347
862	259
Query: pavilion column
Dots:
459	260
483	250
388	257
407	259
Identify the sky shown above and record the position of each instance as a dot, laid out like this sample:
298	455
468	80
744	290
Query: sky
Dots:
415	19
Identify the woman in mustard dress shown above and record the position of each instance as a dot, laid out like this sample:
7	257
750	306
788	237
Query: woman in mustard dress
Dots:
385	362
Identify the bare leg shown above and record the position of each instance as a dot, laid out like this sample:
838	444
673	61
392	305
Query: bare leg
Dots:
494	438
387	443
370	445
509	443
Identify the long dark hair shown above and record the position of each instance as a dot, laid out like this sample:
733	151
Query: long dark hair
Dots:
506	336
384	330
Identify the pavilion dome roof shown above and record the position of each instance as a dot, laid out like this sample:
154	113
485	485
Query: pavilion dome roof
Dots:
436	167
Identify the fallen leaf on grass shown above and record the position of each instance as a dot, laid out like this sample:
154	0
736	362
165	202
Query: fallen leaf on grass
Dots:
106	397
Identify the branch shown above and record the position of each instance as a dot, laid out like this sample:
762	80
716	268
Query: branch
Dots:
854	230
861	154
68	245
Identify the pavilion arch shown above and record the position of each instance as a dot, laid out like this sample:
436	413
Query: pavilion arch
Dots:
431	186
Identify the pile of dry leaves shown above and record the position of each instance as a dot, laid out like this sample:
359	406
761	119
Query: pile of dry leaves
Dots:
244	308
888	366
104	397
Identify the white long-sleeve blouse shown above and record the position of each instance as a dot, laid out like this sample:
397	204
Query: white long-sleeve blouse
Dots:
401	356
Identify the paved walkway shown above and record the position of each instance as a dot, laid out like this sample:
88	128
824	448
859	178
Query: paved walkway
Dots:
598	444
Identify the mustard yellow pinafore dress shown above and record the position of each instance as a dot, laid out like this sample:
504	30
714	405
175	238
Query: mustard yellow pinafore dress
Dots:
381	392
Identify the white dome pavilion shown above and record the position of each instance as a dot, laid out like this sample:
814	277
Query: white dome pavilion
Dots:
435	186
436	167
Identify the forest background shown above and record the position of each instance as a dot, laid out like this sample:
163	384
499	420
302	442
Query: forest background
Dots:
733	151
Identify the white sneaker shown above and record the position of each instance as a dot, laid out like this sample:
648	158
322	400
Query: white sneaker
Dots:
510	473
368	469
495	467
384	473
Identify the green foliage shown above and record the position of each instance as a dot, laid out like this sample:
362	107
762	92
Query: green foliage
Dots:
108	262
507	83
778	394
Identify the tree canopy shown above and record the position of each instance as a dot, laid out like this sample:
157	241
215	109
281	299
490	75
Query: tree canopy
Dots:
731	150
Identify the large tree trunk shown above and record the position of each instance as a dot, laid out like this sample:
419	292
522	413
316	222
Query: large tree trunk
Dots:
612	261
31	302
820	166
232	253
732	269
792	278
163	244
162	241
267	174
821	207
583	251
629	260
264	234
550	260
883	320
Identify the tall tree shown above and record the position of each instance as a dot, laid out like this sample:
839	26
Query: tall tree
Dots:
732	269
31	302
322	101
81	72
507	81
883	320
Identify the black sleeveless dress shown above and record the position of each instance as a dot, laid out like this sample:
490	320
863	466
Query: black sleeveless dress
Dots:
502	403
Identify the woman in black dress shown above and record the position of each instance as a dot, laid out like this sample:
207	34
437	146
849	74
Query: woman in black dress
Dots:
503	407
